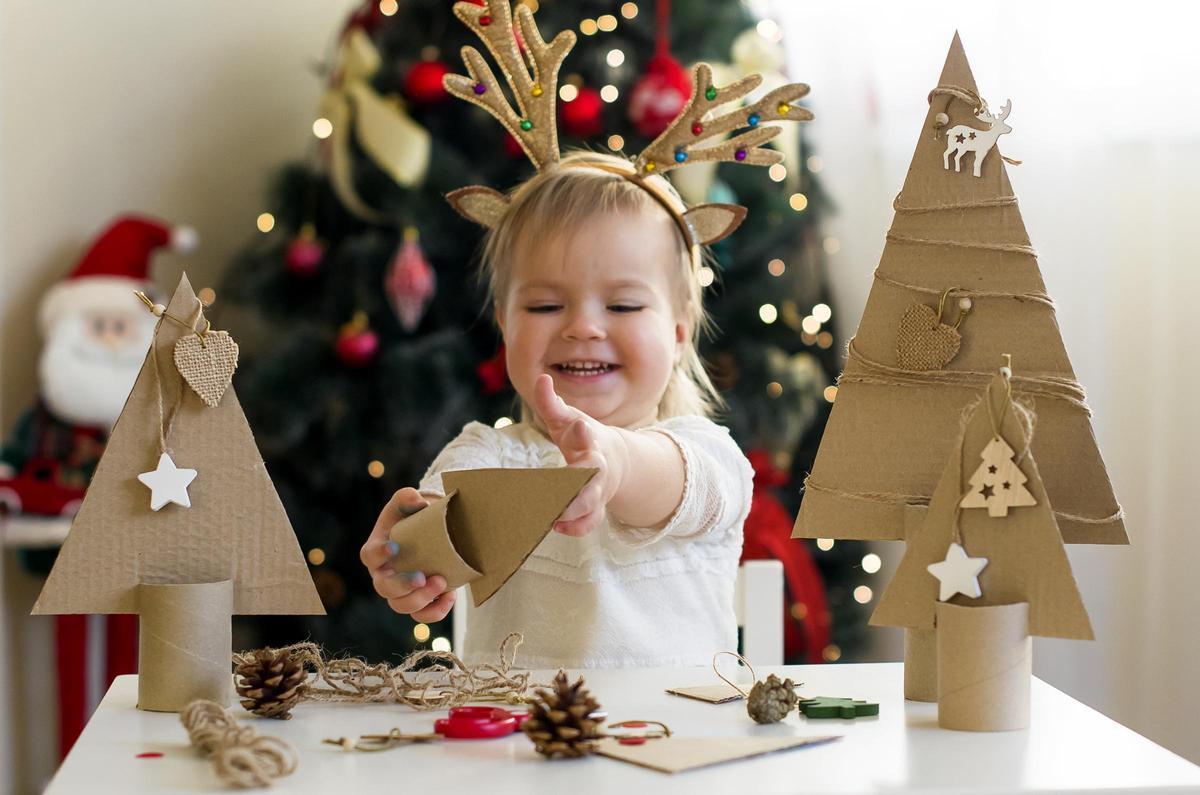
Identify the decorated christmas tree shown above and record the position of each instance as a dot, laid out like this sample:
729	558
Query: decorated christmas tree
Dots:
367	342
957	239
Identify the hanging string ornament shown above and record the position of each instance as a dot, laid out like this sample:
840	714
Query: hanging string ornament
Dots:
305	253
998	483
661	93
410	282
923	341
423	82
357	343
580	116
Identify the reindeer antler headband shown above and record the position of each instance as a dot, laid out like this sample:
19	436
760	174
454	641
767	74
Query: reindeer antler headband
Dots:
533	78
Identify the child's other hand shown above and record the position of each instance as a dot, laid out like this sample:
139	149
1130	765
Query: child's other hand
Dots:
584	442
407	592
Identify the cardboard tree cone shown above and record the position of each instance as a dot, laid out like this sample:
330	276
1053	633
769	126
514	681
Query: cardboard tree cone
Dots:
489	522
985	659
888	437
920	665
185	644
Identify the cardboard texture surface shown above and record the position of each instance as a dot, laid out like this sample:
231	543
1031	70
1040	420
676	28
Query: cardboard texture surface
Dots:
1026	558
985	661
713	694
235	529
184	646
678	754
892	439
920	665
490	521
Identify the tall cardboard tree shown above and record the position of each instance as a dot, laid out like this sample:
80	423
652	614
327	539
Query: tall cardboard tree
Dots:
957	238
181	523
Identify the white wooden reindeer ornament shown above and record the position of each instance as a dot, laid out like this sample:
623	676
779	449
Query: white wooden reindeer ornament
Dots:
961	139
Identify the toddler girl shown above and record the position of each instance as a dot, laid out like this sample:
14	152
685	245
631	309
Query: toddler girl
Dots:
596	294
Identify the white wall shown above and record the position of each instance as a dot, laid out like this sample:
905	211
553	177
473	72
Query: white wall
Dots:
1106	117
179	109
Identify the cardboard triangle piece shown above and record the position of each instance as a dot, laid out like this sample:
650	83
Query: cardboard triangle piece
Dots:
490	521
1026	560
235	529
889	432
678	754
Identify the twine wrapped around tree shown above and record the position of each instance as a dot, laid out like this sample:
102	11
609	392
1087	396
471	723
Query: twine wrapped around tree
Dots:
243	757
425	680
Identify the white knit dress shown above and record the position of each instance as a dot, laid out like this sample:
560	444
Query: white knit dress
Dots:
619	596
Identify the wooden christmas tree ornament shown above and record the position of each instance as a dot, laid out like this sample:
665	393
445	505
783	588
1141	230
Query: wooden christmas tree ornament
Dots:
896	417
184	570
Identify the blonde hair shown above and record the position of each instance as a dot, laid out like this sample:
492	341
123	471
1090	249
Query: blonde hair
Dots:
561	197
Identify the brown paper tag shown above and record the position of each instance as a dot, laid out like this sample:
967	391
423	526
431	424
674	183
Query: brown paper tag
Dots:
677	754
207	366
713	694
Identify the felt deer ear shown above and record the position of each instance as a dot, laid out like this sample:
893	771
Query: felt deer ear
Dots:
482	205
712	222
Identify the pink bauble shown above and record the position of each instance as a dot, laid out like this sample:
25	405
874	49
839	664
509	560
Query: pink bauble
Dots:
358	348
659	95
304	255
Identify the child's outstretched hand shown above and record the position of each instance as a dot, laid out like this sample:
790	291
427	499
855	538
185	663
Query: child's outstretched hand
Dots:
408	592
584	442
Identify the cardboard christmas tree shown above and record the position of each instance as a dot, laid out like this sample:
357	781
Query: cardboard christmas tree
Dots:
957	241
986	569
181	523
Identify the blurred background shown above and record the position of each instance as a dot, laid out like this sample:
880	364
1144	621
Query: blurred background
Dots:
308	144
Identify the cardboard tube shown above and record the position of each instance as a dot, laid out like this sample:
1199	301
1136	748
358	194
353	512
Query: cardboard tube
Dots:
920	664
984	663
186	644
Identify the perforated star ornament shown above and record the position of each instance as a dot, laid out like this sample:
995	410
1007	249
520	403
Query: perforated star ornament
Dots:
168	483
958	574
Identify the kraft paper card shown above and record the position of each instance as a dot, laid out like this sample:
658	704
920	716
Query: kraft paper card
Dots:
892	426
1026	560
679	754
490	521
713	694
235	528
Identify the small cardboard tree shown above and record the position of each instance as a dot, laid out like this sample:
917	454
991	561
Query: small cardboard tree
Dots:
181	523
987	579
957	238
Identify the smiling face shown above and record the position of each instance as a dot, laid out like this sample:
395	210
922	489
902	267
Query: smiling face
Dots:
594	309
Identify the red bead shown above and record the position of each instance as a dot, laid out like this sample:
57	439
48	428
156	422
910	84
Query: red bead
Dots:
632	741
697	128
485	20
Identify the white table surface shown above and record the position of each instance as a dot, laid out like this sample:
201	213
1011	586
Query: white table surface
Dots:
1069	747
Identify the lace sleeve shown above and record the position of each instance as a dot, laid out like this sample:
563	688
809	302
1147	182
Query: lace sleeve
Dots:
717	483
476	447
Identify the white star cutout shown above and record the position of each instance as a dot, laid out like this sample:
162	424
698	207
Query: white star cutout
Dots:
168	483
958	573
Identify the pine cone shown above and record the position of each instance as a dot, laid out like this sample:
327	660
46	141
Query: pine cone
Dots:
771	700
270	682
560	724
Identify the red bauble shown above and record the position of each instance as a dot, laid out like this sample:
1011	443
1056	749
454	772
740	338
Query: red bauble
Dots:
659	95
423	83
305	253
581	116
493	374
357	344
410	282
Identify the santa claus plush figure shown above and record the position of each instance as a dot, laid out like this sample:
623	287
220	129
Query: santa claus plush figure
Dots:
96	333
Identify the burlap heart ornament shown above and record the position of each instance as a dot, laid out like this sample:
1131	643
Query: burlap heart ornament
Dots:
207	364
924	342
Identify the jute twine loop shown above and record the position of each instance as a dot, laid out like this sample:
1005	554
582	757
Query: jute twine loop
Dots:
721	676
425	680
1035	297
166	421
243	757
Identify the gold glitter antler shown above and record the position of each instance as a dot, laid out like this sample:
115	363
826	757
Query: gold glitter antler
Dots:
533	122
679	144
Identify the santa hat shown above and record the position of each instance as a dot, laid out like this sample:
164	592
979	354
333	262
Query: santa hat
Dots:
116	265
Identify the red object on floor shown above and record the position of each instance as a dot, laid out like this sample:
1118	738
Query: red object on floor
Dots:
150	755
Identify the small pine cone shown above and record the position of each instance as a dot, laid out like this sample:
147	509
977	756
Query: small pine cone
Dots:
771	700
270	682
560	723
